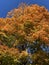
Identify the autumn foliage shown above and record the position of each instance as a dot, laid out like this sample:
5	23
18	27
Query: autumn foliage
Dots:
26	27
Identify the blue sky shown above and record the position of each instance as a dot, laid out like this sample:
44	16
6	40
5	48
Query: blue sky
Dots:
7	5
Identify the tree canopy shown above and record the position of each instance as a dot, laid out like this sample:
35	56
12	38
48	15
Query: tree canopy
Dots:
24	36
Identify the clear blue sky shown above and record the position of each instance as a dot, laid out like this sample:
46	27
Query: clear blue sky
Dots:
7	5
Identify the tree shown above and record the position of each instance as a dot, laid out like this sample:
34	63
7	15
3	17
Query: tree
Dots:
27	30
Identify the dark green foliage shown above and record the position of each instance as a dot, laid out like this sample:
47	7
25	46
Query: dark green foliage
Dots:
7	40
6	60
